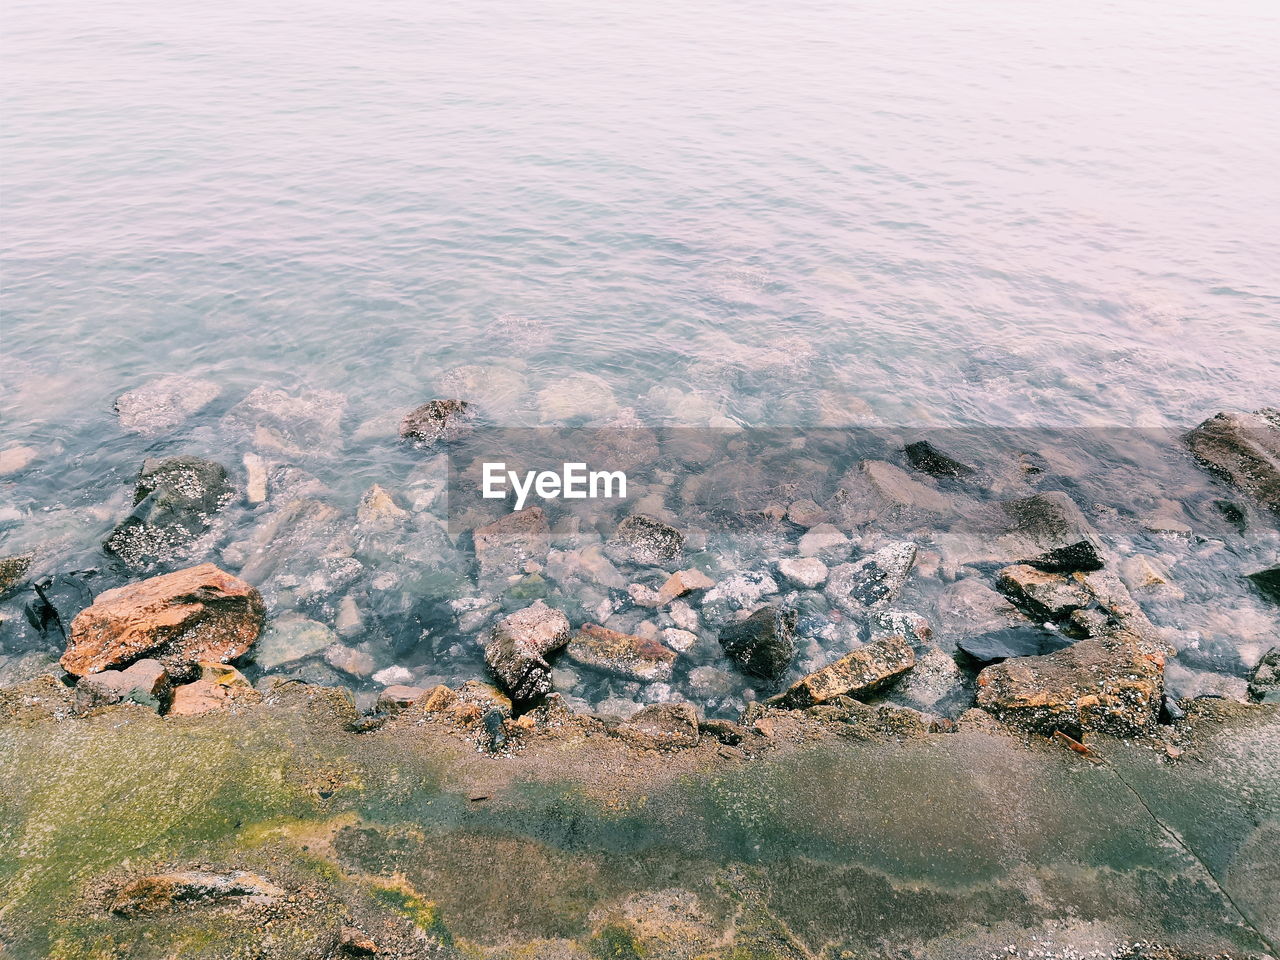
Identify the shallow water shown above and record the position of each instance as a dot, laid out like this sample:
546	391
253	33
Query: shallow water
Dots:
918	213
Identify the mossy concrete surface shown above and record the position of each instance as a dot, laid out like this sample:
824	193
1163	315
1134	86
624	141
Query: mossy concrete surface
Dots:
828	841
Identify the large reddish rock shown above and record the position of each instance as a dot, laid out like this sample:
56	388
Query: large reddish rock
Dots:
182	618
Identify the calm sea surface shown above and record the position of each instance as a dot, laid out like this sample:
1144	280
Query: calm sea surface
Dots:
919	212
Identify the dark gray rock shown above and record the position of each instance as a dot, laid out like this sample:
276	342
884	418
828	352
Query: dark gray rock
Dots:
644	541
145	682
174	503
518	649
764	644
1268	583
996	645
438	421
925	457
1264	683
1048	531
1243	449
872	581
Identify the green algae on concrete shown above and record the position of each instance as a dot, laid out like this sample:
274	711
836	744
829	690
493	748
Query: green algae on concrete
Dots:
579	845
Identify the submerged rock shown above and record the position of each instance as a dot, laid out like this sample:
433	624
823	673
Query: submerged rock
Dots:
378	511
580	396
895	489
1242	449
643	540
1112	685
1264	682
398	697
872	581
742	591
925	457
298	425
16	459
162	404
504	547
805	572
180	888
1049	532
1045	595
181	618
174	501
663	726
438	421
146	682
291	637
518	649
622	654
764	644
864	671
12	571
825	541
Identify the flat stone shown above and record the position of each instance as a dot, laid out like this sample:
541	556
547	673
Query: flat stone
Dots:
438	421
679	640
1112	685
804	572
1243	449
518	648
643	540
663	726
306	423
896	489
1049	532
1021	641
763	645
807	513
925	457
621	654
1047	596
291	637
741	591
825	541
219	687
856	674
379	511
160	405
872	581
392	676
351	661
146	682
504	547
198	614
186	888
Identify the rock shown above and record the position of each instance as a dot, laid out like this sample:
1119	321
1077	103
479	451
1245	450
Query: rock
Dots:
896	490
872	581
969	608
398	697
1048	531
825	541
181	888
1169	520
354	942
16	459
518	649
763	645
578	396
663	726
742	591
181	618
349	622
218	688
355	663
806	513
160	405
935	685
862	672
174	501
1111	685
12	571
678	584
804	572
925	457
684	616
1242	449
504	547
392	676
1268	582
1147	575
438	421
588	563
1023	641
1264	682
255	488
291	637
499	391
301	425
145	682
646	541
1046	596
621	654
903	623
379	511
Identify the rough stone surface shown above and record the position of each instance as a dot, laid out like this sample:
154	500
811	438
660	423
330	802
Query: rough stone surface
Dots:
438	421
872	581
670	726
805	572
146	682
1264	682
824	541
1113	685
398	697
1050	596
504	547
174	503
1268	583
185	888
12	571
856	674
621	654
644	541
763	645
896	490
1244	450
291	637
162	404
925	457
518	649
1049	532
181	618
806	513
219	687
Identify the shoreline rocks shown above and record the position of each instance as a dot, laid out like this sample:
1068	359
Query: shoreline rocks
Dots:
642	540
438	421
518	648
764	644
163	404
504	547
872	581
621	654
1049	532
197	614
173	505
1243	449
863	671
